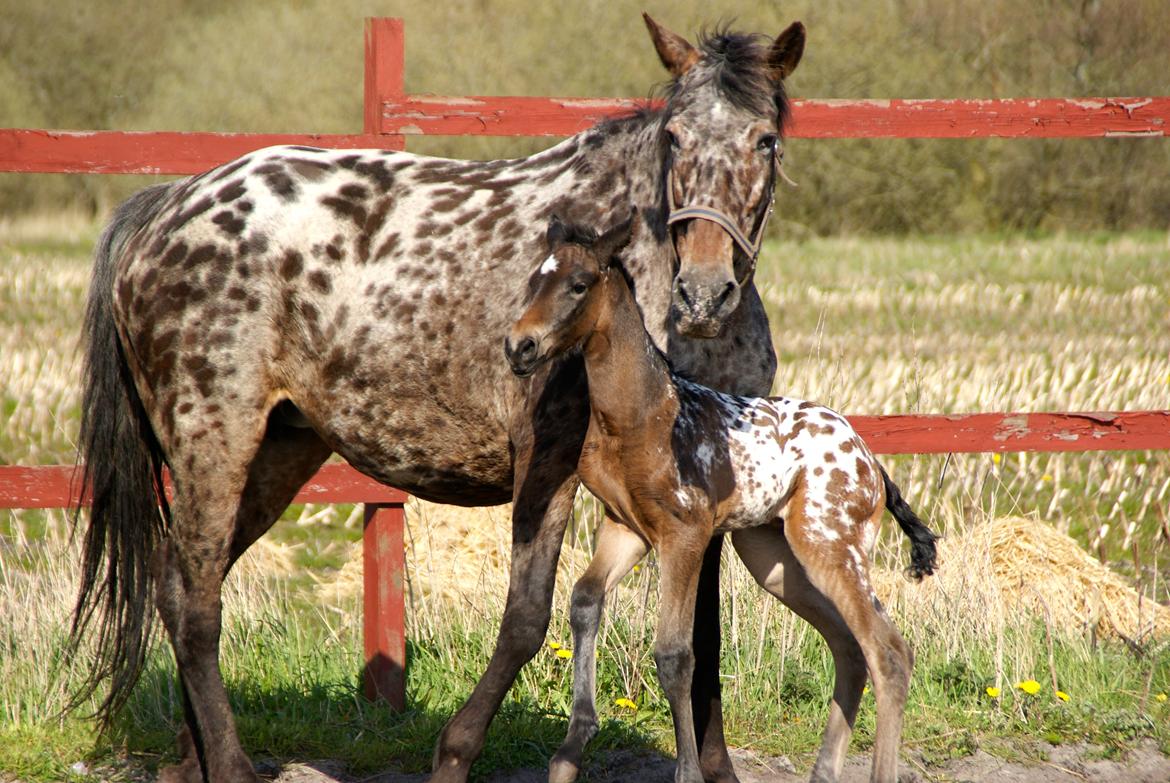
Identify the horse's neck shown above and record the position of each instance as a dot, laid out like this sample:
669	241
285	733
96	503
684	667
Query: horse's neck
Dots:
628	380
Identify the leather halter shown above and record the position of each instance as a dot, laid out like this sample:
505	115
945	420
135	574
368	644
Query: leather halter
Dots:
750	247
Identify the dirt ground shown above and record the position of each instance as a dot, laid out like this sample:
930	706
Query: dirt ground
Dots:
1065	764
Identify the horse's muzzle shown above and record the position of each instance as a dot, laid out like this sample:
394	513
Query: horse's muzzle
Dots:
701	305
523	355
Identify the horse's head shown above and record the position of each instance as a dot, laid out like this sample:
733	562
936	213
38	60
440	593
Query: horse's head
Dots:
720	138
564	294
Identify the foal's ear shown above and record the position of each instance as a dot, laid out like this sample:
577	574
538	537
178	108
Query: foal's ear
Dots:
557	232
785	52
611	242
676	52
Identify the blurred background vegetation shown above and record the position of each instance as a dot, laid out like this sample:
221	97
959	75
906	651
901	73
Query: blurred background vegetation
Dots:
296	66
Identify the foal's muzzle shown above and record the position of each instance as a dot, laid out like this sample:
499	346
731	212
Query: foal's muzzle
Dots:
523	354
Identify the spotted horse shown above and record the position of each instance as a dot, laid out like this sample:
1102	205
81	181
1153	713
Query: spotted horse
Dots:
245	324
676	463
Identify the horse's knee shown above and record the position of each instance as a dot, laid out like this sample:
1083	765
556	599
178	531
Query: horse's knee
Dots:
676	664
522	633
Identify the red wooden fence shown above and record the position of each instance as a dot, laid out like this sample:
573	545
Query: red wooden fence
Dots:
390	115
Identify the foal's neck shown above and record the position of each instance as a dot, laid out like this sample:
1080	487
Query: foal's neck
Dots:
629	381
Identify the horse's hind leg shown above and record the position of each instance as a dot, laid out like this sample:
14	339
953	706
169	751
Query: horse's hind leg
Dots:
839	568
222	505
766	553
618	549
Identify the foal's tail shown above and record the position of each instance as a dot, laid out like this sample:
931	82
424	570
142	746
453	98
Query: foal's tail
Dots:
923	553
122	476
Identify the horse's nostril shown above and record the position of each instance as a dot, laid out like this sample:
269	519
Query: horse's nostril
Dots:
526	348
727	291
682	293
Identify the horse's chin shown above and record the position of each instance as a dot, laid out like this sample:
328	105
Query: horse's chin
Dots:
698	327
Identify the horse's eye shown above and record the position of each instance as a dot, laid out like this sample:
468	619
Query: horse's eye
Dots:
672	140
767	143
579	288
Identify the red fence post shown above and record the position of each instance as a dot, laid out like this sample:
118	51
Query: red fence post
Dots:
384	610
385	66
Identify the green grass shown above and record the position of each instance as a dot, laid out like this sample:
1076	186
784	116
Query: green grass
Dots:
1052	322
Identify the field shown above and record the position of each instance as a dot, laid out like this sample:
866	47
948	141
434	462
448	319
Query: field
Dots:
874	325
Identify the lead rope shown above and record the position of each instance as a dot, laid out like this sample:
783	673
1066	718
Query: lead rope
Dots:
750	248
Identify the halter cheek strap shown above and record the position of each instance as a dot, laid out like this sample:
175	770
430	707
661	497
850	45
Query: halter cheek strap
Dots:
750	247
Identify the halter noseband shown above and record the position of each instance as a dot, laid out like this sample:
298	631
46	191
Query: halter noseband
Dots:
750	247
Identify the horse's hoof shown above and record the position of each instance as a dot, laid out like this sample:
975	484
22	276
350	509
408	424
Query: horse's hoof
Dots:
561	770
185	772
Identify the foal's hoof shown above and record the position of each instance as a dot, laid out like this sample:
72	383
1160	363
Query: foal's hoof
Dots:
562	770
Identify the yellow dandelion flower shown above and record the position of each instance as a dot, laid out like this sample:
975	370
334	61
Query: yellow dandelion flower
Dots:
997	458
554	646
626	703
865	690
1062	695
563	653
1046	477
993	692
637	568
1161	697
1030	687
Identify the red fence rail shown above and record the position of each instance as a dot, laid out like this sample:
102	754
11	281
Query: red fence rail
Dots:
390	115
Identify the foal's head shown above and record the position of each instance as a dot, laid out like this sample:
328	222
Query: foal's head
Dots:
720	139
565	294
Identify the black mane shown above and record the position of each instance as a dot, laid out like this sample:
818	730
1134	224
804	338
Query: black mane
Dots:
737	63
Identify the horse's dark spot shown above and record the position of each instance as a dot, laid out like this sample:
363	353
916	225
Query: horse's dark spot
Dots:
291	265
388	246
320	281
278	180
186	407
349	161
225	171
338	366
830	457
355	192
199	256
334	252
345	209
243	270
244	206
194	362
231	191
252	304
405	311
228	222
848	446
184	216
309	312
301	148
309	170
215	282
422	249
464	219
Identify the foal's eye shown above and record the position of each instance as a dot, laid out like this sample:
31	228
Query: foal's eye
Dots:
767	143
672	140
578	287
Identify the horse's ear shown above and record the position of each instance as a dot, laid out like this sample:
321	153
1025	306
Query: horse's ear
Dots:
613	240
676	52
785	52
557	232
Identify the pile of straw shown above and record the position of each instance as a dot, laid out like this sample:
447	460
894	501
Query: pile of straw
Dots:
1011	571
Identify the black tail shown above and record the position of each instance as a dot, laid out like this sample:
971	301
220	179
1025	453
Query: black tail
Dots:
923	553
122	475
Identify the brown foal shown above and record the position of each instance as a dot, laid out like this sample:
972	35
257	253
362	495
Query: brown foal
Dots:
676	463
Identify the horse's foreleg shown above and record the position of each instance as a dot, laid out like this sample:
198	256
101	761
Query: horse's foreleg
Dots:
540	513
706	693
618	549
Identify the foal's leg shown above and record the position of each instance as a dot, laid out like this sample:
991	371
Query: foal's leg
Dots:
765	552
680	559
618	549
189	593
839	568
